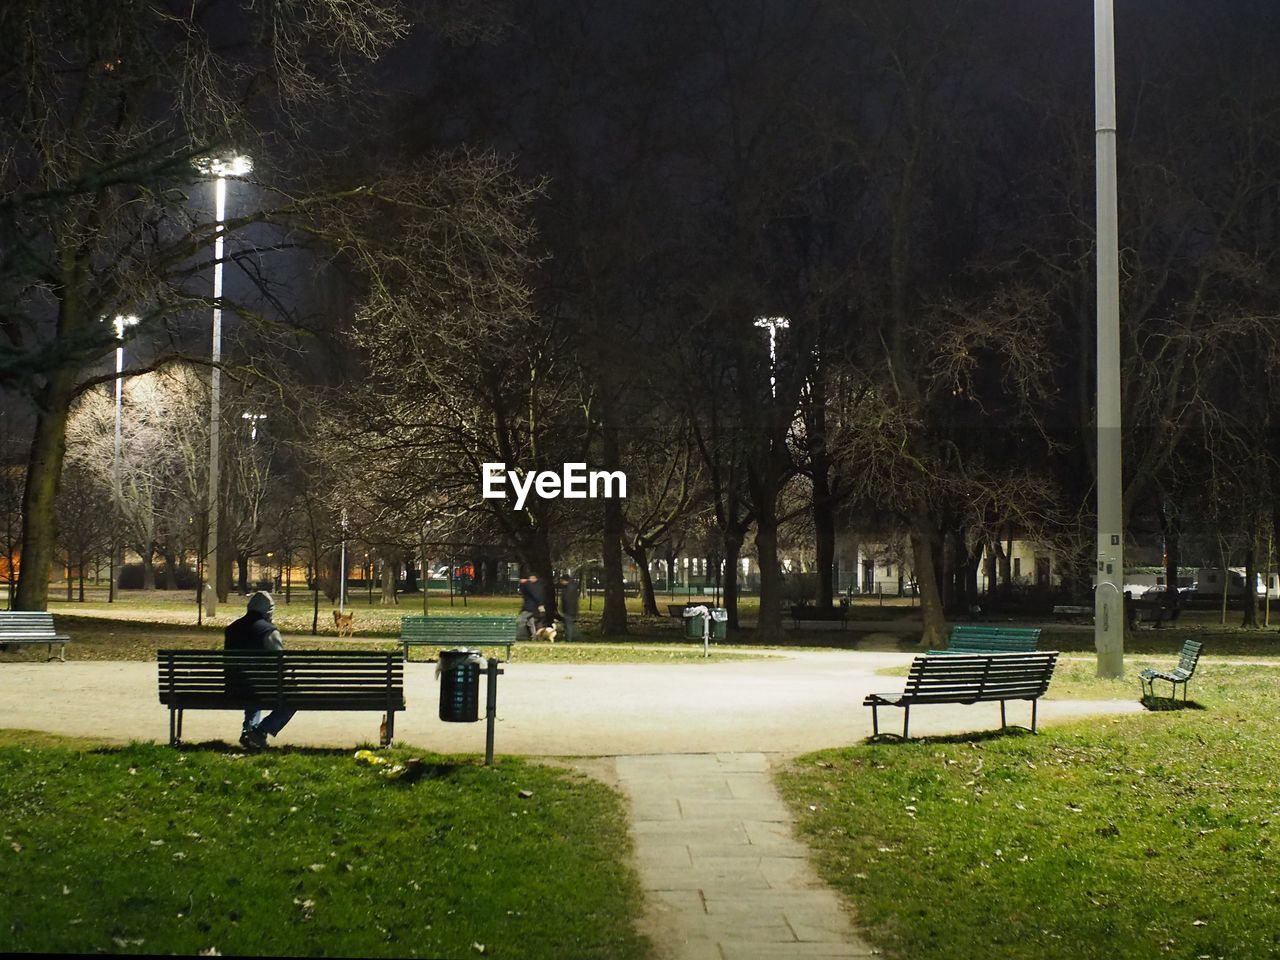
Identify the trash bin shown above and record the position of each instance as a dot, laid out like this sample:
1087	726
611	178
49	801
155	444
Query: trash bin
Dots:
459	685
719	625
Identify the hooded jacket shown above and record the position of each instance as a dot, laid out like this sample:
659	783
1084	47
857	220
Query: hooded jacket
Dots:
254	631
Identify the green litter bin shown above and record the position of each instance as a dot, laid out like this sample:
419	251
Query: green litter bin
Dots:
719	625
459	685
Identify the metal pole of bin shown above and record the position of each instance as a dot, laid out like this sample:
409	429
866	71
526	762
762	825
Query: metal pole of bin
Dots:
490	709
706	635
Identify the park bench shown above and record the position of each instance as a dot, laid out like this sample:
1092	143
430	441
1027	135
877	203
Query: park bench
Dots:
804	611
1072	610
1183	672
983	638
1154	612
966	679
449	631
23	626
280	679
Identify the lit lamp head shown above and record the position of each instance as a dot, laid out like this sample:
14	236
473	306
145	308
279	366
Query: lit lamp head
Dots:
236	165
121	321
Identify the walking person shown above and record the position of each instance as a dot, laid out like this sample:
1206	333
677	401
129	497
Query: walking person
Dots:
255	632
568	605
533	607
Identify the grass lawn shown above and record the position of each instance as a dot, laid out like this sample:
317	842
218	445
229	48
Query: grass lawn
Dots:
1152	835
147	849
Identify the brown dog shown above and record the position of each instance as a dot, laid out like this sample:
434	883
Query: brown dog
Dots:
345	622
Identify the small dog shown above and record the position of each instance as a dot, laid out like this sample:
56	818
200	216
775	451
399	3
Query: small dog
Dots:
545	634
345	622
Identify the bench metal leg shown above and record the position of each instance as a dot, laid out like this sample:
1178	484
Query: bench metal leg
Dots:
875	720
1002	719
906	717
173	727
1034	703
390	727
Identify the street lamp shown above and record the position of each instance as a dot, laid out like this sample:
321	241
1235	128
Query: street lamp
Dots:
253	419
773	325
1109	620
121	323
221	168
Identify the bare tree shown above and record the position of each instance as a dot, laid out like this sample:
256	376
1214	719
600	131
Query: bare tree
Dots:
106	112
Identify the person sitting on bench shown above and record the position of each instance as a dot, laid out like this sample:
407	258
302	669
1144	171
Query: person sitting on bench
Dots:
255	631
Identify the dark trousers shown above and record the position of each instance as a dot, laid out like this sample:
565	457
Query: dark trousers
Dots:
273	724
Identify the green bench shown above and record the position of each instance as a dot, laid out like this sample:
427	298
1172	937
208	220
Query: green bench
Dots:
280	680
1180	674
447	631
35	626
966	679
981	638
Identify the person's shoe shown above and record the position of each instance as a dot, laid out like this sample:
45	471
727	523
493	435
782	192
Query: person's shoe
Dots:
253	739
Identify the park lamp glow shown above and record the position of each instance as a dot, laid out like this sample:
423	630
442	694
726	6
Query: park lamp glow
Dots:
237	165
121	321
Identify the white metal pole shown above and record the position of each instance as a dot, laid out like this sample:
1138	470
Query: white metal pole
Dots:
1109	619
215	397
342	575
115	464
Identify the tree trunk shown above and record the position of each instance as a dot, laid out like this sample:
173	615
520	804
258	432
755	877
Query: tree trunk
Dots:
390	575
39	498
732	553
1172	560
1249	602
648	600
769	626
242	572
70	581
824	526
225	552
81	577
170	565
147	553
923	537
613	619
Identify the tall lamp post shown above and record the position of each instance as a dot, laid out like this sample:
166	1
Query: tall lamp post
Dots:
1109	620
221	168
342	581
122	322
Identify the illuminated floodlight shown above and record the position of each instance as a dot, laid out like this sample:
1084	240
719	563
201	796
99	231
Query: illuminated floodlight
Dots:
121	321
237	165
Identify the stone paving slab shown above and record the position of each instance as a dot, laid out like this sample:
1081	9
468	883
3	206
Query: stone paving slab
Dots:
728	880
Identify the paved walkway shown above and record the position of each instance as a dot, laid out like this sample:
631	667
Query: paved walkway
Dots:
792	703
724	876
